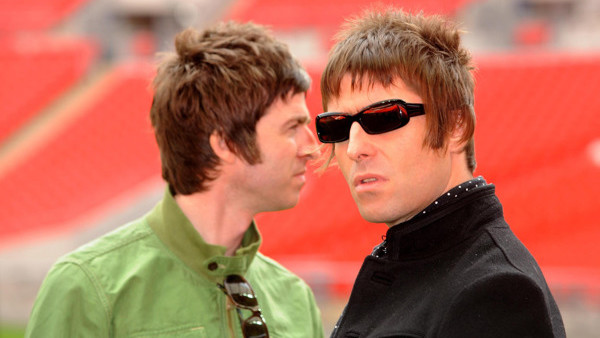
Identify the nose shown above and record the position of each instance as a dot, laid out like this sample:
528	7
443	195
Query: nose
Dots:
308	144
359	147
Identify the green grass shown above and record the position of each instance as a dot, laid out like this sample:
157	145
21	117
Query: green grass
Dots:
8	331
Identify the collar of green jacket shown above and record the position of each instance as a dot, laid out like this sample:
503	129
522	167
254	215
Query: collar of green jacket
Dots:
177	233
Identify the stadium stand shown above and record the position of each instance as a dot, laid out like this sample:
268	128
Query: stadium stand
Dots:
35	71
537	136
325	17
549	104
35	15
108	149
546	101
537	119
290	14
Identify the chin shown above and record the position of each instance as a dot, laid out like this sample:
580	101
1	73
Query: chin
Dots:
284	204
379	215
372	217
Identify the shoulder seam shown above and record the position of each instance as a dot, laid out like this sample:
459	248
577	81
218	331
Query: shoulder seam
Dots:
97	286
506	256
112	248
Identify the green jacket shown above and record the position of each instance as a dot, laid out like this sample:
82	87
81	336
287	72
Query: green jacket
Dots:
156	277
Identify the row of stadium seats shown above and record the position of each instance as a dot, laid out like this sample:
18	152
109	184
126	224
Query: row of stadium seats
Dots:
35	15
327	15
535	110
107	149
36	70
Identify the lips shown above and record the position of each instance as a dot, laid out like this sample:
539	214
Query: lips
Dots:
367	179
301	175
300	172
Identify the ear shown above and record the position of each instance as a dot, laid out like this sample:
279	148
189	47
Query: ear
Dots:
220	148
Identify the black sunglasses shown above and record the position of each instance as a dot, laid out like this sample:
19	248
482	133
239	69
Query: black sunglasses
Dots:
241	294
377	118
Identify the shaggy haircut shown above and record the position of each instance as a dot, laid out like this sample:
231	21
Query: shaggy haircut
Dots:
219	80
423	51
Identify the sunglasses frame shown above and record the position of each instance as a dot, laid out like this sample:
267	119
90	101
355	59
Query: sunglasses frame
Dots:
256	312
409	109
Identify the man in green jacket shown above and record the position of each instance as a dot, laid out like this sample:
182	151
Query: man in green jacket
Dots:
231	122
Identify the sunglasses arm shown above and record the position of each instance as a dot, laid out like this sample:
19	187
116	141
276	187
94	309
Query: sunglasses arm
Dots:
414	109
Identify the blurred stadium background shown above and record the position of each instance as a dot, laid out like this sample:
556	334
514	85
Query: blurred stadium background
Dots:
78	158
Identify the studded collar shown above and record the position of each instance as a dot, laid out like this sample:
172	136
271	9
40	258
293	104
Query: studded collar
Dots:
453	217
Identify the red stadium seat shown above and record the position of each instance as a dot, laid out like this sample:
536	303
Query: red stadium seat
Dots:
325	17
534	110
34	15
317	14
35	71
109	149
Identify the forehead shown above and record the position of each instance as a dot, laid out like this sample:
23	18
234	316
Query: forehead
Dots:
291	107
363	94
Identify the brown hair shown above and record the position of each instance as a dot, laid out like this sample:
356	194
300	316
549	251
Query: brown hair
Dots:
423	51
219	80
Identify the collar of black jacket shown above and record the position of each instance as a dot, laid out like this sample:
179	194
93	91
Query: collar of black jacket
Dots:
456	216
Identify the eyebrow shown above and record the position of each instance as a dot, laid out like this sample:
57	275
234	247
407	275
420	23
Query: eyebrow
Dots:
298	119
301	118
346	110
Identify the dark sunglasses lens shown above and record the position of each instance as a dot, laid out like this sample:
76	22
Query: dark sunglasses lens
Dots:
333	128
240	291
383	119
255	327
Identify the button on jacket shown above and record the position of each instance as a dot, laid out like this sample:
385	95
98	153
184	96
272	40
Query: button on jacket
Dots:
156	277
454	270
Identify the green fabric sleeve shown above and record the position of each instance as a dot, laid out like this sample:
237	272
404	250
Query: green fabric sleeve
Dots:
69	304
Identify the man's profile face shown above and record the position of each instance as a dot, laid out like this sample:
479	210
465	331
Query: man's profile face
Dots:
391	176
286	144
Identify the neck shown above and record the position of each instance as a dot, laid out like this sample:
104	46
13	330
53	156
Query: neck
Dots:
459	171
216	217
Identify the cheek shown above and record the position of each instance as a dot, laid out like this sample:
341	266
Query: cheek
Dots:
280	147
340	157
345	166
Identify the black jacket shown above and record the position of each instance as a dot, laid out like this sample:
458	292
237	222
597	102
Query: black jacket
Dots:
454	270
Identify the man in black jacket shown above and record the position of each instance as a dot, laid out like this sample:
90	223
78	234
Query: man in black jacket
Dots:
449	265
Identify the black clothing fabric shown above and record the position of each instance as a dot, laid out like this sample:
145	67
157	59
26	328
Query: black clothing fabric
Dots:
454	270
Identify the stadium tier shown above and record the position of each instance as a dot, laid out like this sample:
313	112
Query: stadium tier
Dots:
317	14
34	15
35	71
105	150
325	17
534	110
536	138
